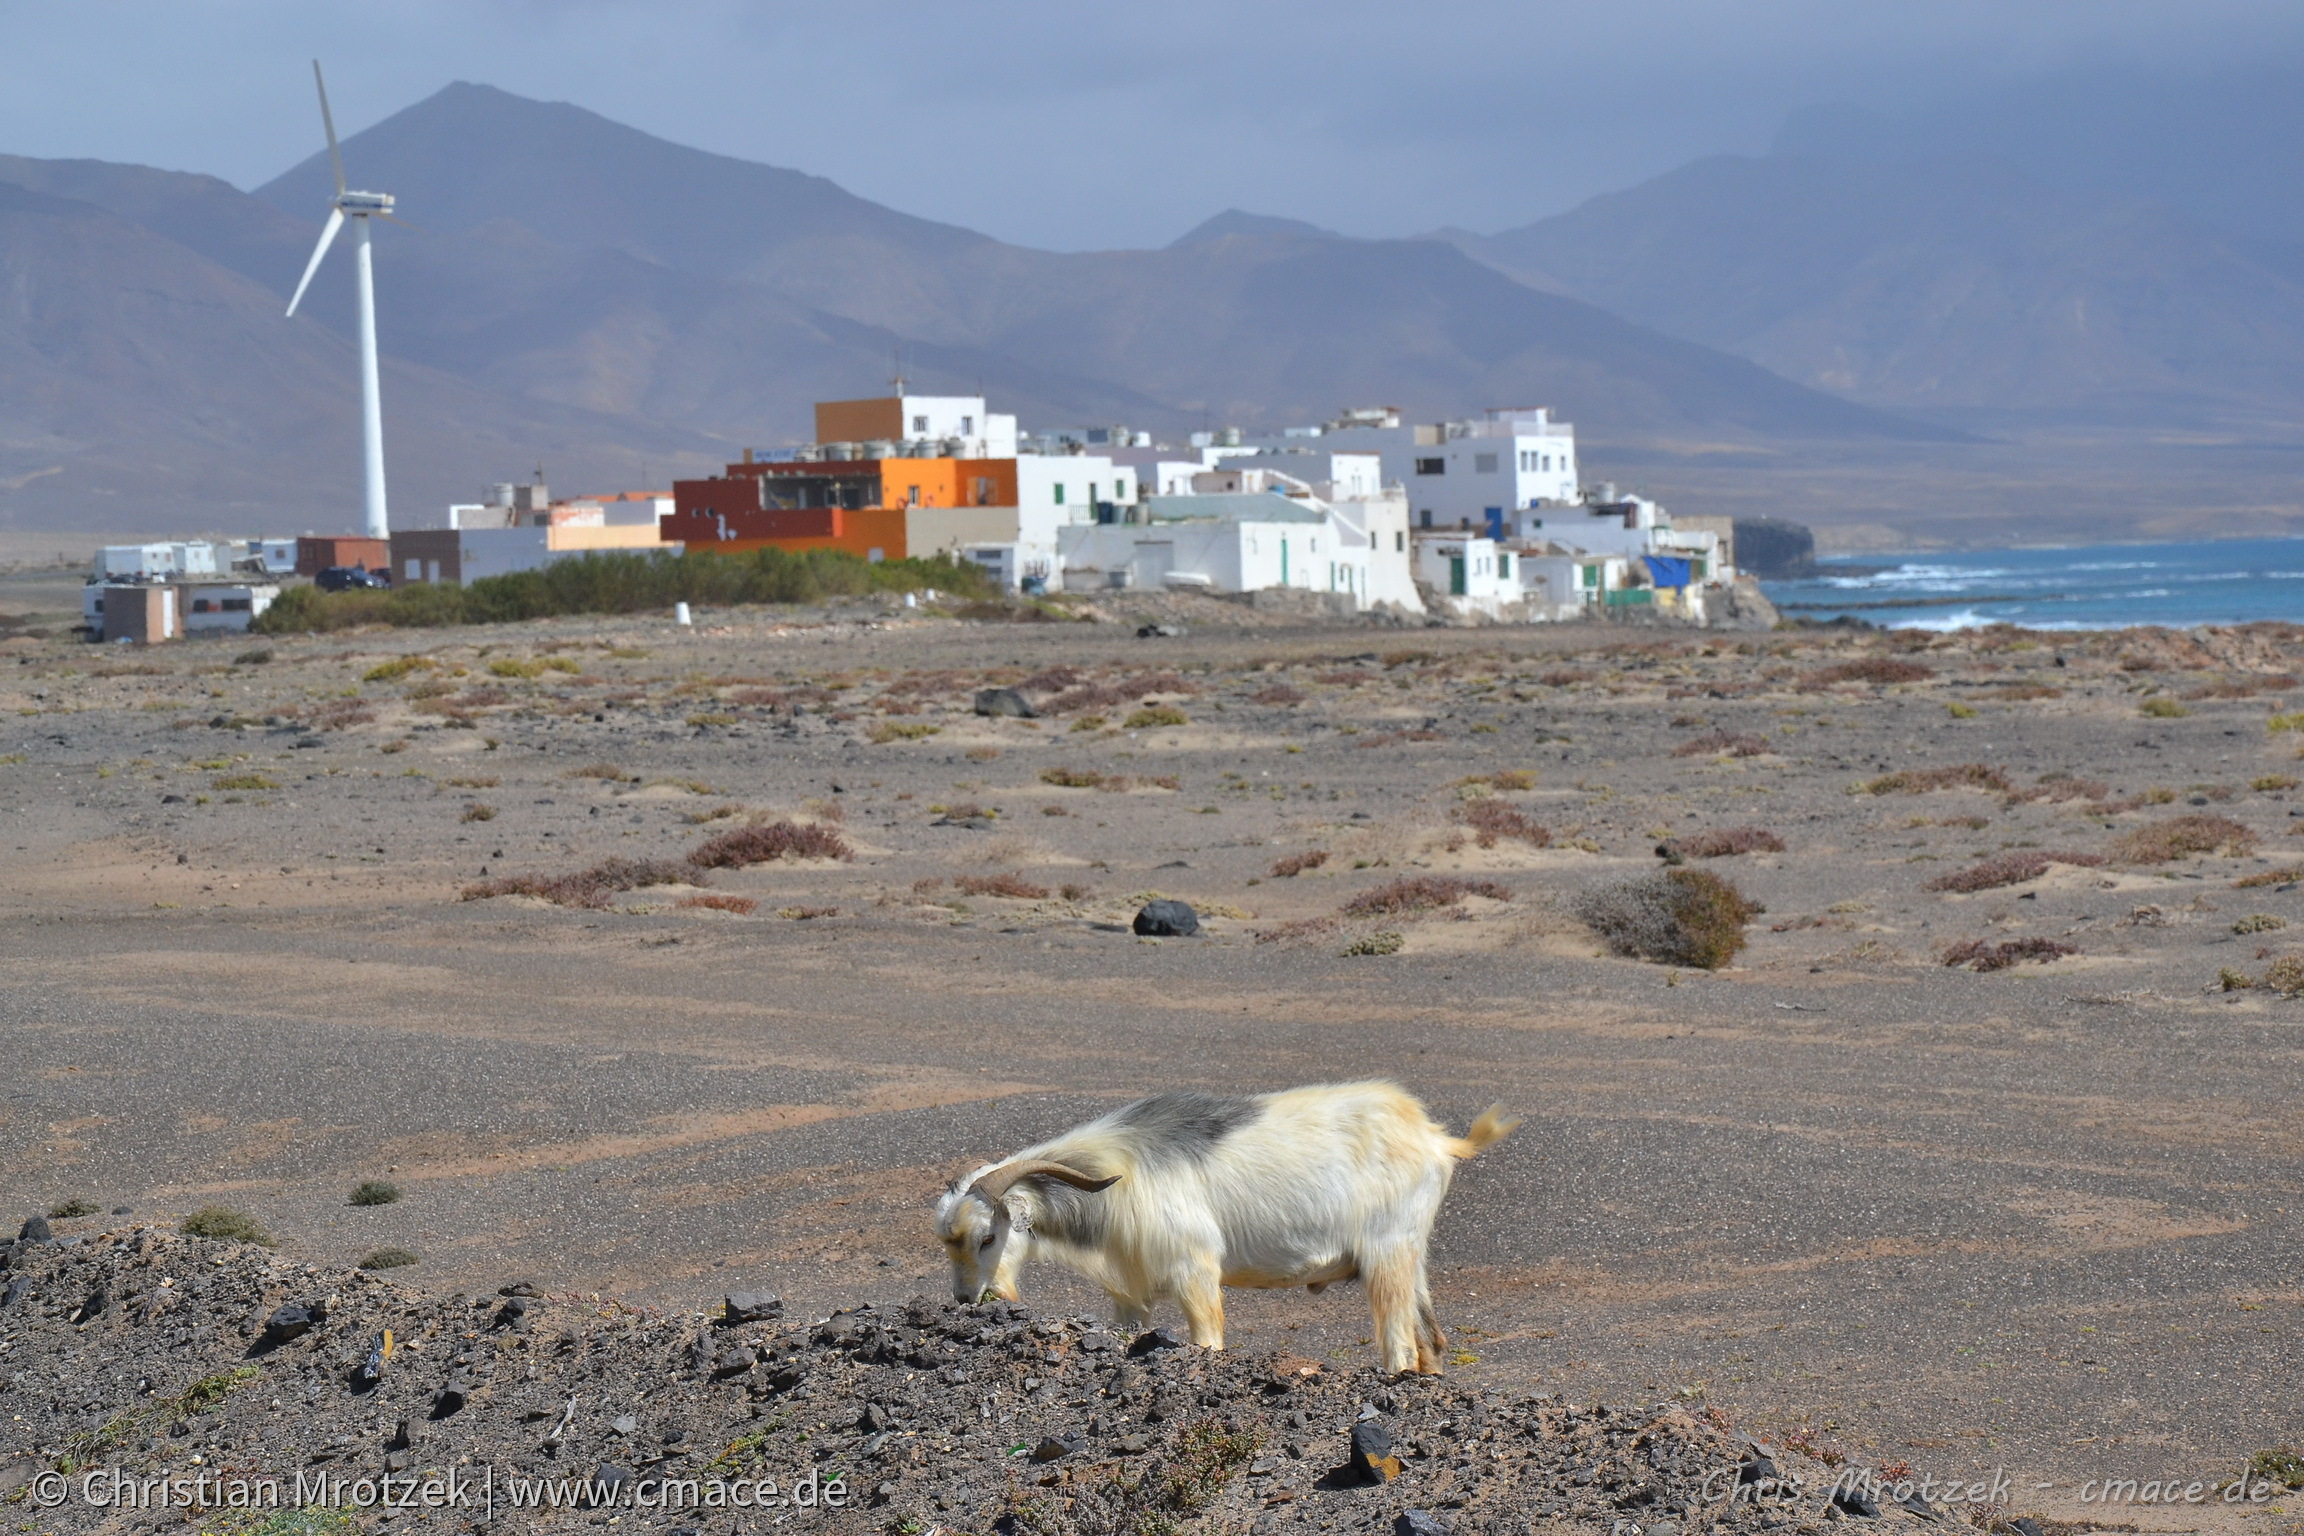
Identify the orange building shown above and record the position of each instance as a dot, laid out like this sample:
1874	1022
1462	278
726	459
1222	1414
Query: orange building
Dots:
857	505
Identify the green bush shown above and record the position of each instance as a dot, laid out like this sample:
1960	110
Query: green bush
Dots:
375	1192
1676	916
67	1210
221	1221
623	583
390	1258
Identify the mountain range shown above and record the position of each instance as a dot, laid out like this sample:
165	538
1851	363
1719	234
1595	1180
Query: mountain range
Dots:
620	309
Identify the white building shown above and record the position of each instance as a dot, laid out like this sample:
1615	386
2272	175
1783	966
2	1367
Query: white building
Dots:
1221	543
915	426
162	559
1458	474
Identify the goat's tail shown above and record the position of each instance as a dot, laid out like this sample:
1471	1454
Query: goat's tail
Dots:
1492	1126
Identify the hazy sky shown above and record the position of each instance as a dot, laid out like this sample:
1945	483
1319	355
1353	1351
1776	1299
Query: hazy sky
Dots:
1089	124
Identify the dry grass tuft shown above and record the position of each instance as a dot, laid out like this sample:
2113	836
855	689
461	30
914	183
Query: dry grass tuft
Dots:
1296	863
1277	695
2010	869
1882	670
478	812
607	773
1153	716
1492	821
1006	883
1977	955
1722	744
2057	787
741	906
589	888
2283	876
1675	916
1725	842
1421	893
2182	837
1921	781
769	841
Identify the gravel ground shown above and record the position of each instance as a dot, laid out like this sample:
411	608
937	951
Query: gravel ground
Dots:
2043	1216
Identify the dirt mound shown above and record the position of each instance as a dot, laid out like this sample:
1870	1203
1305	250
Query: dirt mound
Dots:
161	1356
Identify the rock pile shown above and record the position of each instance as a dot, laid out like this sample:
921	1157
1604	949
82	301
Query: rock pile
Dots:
156	1354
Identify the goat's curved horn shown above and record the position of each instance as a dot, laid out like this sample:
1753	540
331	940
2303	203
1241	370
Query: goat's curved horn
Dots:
995	1184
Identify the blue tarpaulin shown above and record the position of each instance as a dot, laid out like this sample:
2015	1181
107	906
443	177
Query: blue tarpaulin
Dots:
1667	570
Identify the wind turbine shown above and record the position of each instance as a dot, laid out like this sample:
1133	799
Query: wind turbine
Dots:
359	207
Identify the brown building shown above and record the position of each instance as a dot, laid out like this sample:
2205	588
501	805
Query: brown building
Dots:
317	554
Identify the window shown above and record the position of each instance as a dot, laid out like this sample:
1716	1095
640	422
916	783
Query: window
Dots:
919	426
1547	464
199	605
967	426
1504	567
1059	494
237	605
1399	540
1427	517
415	570
1431	466
1590	575
1483	463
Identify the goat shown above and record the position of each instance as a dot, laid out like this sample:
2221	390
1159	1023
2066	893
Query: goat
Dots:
1305	1187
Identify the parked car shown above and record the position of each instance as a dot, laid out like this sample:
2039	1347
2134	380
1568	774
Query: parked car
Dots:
350	578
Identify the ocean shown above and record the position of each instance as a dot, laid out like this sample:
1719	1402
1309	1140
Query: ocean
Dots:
2092	586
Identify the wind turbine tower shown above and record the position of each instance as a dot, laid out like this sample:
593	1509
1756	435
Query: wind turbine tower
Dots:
359	207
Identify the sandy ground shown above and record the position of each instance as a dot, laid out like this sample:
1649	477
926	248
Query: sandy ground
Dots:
2044	1217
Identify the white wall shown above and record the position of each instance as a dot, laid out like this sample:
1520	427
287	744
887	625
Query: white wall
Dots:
1071	484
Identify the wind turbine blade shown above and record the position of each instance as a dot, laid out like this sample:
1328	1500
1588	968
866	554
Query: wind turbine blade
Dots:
335	155
393	218
327	238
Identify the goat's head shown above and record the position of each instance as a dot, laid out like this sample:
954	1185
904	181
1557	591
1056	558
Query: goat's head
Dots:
984	1222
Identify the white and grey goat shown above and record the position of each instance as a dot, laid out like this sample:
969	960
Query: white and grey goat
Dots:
1179	1195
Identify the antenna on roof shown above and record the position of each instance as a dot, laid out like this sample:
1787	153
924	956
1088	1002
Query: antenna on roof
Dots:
898	380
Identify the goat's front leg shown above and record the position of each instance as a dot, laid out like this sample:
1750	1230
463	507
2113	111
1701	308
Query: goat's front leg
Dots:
1128	1316
1202	1297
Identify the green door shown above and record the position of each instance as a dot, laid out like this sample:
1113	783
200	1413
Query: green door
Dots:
1283	562
1455	575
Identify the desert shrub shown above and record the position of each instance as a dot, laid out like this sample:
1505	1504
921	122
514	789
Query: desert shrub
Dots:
2292	872
607	773
478	812
1675	916
740	906
1872	669
340	713
389	1258
589	888
397	668
2260	922
2274	781
1563	677
1724	842
514	666
67	1210
806	914
221	1221
1493	820
2060	787
1421	893
1921	781
1053	679
1008	884
1722	744
2018	693
740	846
1977	955
1277	694
1513	780
245	781
2010	869
2183	836
1376	944
1071	778
1296	863
2285	976
1152	716
374	1192
901	730
255	658
475	781
2162	708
